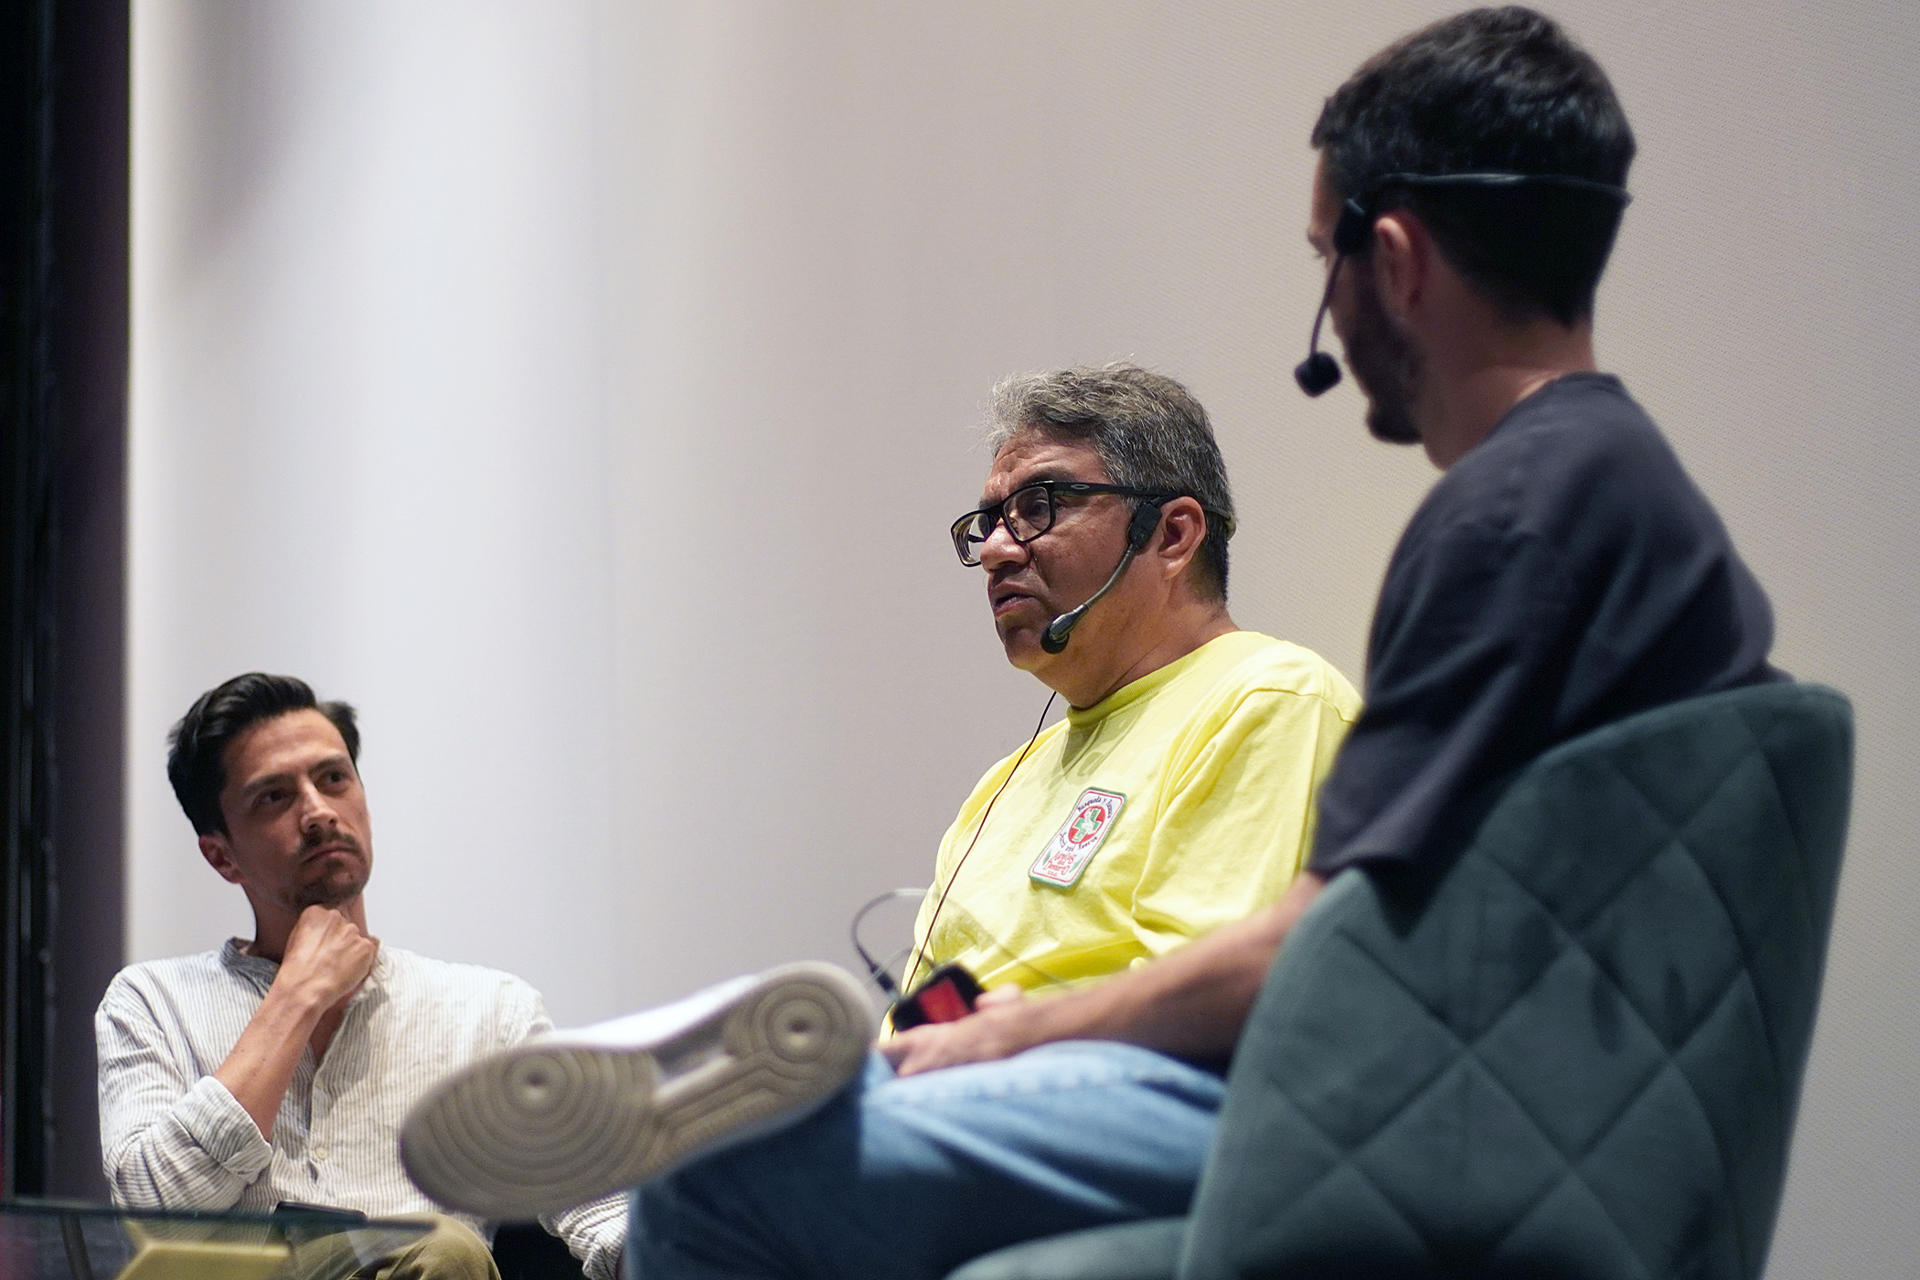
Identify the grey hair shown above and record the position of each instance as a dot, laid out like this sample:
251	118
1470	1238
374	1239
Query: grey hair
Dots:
1147	430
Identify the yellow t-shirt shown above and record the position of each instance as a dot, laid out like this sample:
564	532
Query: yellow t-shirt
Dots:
1180	802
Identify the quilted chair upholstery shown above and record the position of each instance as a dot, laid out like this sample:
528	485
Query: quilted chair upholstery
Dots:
1577	1053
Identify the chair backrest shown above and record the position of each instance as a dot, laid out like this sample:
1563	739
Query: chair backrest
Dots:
1577	1052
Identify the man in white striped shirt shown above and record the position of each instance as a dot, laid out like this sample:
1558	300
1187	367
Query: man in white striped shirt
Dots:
279	1068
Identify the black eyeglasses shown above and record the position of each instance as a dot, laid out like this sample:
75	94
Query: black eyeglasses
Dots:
1029	510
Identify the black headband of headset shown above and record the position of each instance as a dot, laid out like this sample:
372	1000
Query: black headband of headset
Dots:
1358	211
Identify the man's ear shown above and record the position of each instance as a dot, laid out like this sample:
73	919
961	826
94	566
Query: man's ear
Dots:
218	852
1402	259
1183	527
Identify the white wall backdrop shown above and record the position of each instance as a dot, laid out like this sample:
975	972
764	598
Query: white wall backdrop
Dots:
583	388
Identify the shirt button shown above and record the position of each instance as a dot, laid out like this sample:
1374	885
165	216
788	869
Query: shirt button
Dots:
319	1153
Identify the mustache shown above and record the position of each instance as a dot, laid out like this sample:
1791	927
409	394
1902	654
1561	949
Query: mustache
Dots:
1013	579
314	841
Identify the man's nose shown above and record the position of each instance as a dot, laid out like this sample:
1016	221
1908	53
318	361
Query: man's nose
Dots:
1001	547
316	810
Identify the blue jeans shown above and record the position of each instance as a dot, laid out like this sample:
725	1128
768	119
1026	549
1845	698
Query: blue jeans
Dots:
908	1178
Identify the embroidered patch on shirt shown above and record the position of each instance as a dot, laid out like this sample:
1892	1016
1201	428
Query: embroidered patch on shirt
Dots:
1078	839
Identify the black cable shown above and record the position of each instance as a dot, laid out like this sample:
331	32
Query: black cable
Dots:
875	969
937	906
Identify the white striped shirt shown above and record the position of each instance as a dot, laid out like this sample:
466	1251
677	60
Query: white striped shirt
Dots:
172	1136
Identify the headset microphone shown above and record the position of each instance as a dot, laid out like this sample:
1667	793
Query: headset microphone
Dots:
1319	372
1146	517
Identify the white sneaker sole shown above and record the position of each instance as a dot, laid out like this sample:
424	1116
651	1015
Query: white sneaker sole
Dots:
550	1124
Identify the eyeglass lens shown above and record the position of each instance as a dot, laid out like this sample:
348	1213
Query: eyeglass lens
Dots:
1028	513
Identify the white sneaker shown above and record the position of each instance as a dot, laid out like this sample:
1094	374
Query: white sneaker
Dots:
572	1116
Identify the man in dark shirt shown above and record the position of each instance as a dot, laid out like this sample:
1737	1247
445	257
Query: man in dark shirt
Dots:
1564	572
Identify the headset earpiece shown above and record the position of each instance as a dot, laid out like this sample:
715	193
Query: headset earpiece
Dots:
1146	518
1355	228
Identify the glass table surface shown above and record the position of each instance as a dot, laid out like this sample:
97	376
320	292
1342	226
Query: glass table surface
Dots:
69	1240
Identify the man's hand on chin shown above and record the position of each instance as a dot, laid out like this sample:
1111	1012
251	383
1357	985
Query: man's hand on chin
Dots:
1000	1026
327	956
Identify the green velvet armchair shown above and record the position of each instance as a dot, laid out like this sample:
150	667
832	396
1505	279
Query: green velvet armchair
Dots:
1575	1053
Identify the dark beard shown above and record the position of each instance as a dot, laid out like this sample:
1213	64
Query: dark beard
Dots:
331	891
1385	365
328	893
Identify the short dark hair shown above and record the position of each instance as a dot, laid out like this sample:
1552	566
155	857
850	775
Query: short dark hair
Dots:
1148	432
197	747
1490	91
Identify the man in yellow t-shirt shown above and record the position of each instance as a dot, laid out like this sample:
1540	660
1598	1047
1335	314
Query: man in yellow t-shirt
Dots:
1178	793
